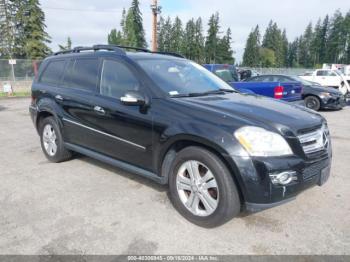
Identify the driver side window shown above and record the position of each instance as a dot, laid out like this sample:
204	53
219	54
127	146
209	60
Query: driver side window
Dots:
117	79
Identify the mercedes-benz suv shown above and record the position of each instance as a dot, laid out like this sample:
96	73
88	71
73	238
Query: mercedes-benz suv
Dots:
169	119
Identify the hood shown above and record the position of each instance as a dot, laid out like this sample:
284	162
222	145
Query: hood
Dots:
259	111
318	88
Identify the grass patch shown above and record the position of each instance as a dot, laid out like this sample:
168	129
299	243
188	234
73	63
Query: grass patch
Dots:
16	94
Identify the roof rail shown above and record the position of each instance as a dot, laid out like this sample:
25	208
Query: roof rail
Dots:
169	53
78	49
116	48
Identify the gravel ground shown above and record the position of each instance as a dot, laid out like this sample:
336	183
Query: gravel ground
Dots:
87	207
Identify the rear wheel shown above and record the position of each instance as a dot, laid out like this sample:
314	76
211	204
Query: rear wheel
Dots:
313	103
202	188
52	143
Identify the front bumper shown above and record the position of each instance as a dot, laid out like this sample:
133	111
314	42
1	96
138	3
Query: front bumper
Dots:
260	193
333	102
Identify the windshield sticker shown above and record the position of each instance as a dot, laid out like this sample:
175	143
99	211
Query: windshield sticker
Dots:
173	93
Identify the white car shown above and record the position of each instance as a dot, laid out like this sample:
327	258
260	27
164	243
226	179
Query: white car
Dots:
329	78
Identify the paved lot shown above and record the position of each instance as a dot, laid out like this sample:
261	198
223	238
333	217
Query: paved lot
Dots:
86	207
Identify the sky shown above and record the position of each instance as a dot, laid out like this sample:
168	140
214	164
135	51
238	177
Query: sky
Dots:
88	22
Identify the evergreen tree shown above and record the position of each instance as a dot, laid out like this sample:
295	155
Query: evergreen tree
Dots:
134	32
225	52
273	40
316	44
285	46
188	48
212	39
115	37
68	46
346	59
251	52
267	57
7	30
199	44
292	55
323	39
32	36
176	36
336	39
305	55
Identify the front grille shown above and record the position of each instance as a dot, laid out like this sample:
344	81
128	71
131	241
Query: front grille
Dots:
315	141
314	170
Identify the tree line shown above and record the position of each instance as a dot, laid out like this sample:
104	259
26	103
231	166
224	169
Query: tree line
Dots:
187	38
326	42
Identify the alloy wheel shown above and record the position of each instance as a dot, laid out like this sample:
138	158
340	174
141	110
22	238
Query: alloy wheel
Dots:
49	140
197	188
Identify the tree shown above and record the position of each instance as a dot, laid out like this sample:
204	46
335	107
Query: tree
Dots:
305	55
225	52
176	36
32	36
346	59
212	39
134	32
273	40
251	56
188	49
267	57
336	39
199	45
292	55
285	46
8	11
68	46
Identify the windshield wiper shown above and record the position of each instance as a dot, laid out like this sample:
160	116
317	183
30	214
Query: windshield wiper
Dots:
212	92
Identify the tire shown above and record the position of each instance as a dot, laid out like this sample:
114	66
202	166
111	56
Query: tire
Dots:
313	103
60	154
225	195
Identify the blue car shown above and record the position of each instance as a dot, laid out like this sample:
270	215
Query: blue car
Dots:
274	86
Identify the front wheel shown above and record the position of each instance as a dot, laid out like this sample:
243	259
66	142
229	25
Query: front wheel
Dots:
313	103
202	188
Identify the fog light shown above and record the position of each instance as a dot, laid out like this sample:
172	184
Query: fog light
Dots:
283	178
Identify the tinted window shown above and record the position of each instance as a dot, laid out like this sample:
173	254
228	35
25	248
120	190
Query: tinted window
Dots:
117	79
261	79
53	72
82	74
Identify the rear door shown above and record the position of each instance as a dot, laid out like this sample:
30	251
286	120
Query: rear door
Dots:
77	95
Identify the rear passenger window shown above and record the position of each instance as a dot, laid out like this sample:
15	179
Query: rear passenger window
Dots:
117	79
53	72
82	74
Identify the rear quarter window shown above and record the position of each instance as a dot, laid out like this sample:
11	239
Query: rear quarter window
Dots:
53	72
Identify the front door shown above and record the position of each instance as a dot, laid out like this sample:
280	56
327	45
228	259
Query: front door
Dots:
125	132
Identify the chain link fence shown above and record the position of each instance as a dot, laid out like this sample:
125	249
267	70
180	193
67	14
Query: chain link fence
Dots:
281	71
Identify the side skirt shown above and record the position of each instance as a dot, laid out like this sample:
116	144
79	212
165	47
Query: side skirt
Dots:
117	163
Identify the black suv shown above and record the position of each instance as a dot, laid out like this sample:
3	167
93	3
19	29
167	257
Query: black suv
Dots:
171	120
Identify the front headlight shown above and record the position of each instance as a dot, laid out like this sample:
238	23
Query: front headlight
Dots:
325	94
260	142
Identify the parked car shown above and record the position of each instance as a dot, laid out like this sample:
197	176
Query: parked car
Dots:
273	86
329	78
315	96
287	92
170	120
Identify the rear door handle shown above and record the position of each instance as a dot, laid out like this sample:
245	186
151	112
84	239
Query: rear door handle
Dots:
59	98
99	110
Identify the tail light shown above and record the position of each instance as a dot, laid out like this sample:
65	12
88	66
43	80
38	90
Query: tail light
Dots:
279	92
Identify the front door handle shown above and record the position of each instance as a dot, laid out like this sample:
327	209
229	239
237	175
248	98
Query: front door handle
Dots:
99	110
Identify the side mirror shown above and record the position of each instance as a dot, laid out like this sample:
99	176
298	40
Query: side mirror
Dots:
133	98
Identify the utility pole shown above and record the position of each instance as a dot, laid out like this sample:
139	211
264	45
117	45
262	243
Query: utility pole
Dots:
156	10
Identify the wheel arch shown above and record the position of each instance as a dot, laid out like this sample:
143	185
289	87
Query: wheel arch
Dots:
169	152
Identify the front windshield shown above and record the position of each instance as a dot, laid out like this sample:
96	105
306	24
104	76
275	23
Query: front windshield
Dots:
182	77
226	75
